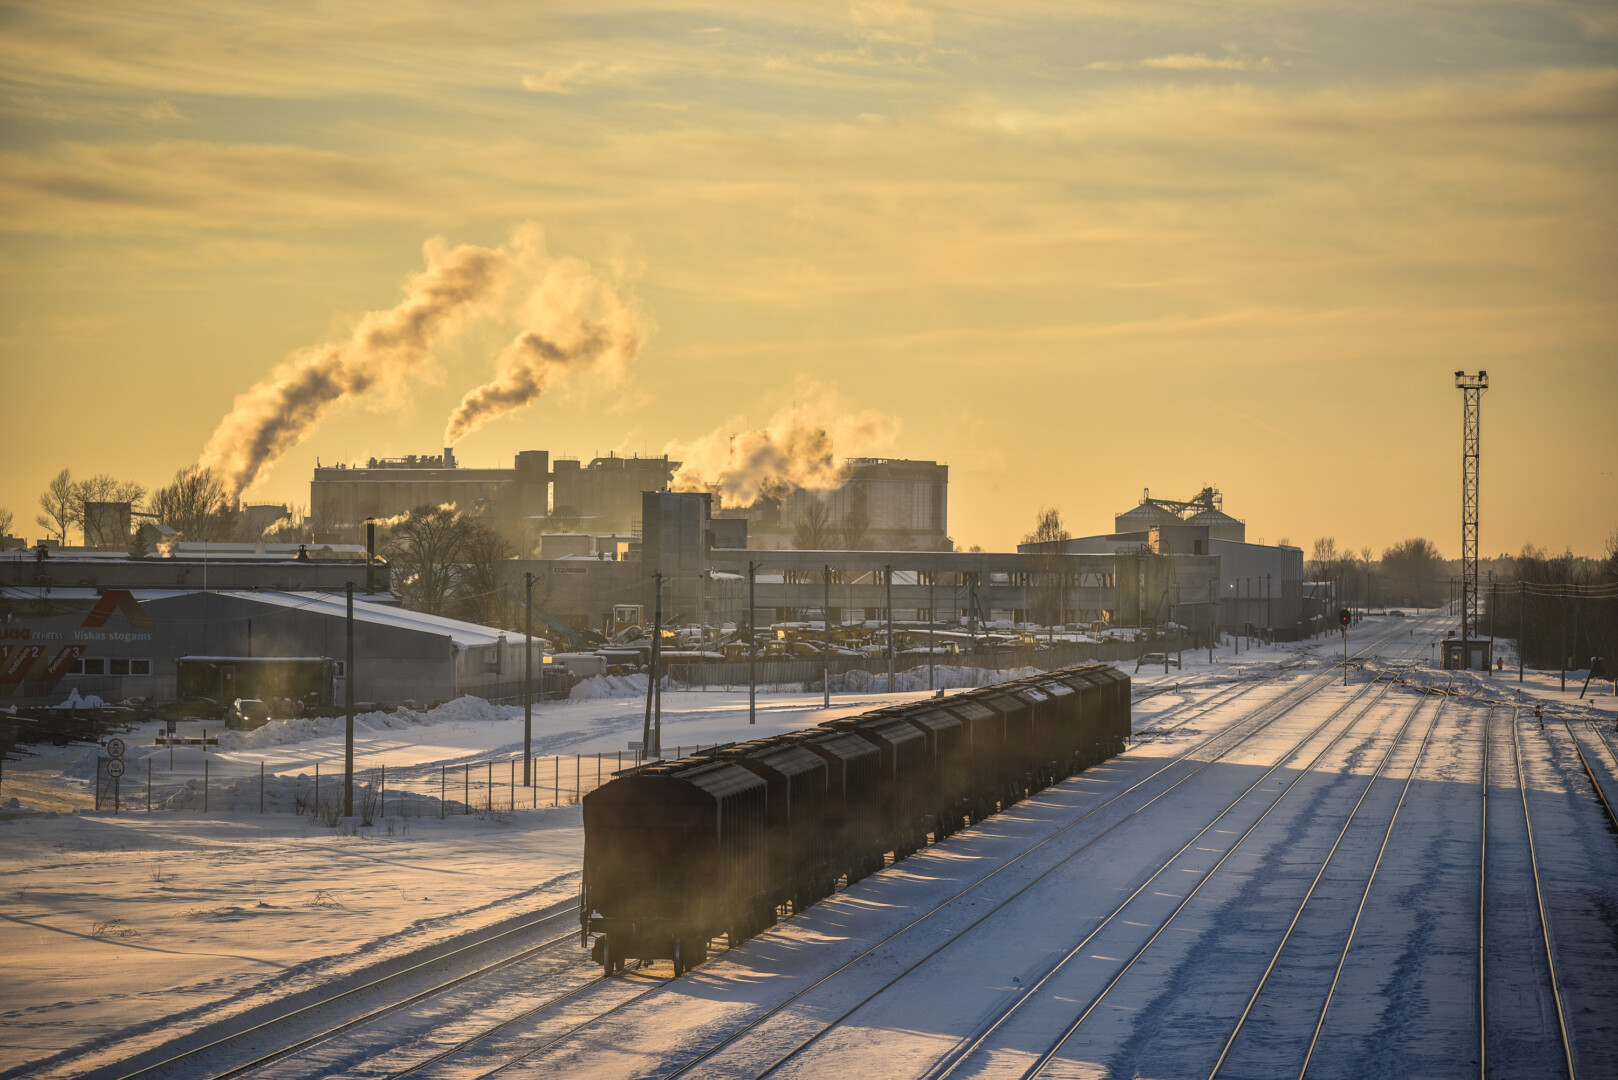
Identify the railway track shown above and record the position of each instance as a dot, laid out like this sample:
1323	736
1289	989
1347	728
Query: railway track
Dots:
299	1023
961	1060
1237	734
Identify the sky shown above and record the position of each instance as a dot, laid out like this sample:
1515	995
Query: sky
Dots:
1074	251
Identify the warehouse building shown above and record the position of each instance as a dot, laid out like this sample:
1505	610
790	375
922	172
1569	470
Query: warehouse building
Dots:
119	644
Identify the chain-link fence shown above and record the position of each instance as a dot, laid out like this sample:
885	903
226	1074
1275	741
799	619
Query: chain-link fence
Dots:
209	783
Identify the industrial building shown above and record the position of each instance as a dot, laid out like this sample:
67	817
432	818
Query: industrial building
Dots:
1258	585
882	504
119	644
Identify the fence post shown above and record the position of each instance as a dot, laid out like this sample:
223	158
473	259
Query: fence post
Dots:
513	787
205	776
260	787
382	791
578	767
488	794
598	768
317	790
466	788
443	787
556	780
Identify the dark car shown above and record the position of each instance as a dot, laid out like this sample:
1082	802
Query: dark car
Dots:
193	707
1397	614
246	714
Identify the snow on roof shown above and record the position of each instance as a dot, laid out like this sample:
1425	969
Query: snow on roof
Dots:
463	634
82	592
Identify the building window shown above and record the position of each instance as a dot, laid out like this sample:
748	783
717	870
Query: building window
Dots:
89	666
140	667
338	668
119	667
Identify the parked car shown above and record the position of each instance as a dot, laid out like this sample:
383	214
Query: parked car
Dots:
245	714
191	707
1397	614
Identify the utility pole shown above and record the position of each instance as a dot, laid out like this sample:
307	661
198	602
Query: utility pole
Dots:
648	733
657	667
1522	621
528	683
1472	388
887	574
1494	602
1213	607
932	621
752	666
1561	657
348	700
825	651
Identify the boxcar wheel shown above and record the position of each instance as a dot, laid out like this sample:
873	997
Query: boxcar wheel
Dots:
679	968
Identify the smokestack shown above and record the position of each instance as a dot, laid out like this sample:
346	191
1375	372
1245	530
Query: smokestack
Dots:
370	557
449	457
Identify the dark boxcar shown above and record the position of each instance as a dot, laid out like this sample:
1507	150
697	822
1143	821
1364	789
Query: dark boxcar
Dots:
1115	707
798	834
951	773
854	799
674	853
1022	754
1064	709
986	751
1092	714
904	763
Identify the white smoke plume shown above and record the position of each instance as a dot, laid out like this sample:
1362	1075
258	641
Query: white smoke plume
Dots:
276	526
575	317
389	345
404	516
791	452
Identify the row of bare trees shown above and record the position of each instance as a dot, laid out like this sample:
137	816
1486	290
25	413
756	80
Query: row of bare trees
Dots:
195	504
446	563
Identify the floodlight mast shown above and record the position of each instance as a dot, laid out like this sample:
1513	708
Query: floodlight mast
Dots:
1472	388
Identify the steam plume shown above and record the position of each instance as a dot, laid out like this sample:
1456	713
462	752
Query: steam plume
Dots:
791	452
581	319
280	410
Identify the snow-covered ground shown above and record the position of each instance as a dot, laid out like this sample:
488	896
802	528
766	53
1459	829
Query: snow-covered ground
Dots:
123	932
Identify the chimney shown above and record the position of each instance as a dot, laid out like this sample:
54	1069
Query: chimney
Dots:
449	457
370	557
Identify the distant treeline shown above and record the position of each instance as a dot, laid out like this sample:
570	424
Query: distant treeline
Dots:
1561	610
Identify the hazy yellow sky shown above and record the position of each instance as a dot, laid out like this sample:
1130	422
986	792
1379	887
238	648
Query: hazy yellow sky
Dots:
1072	250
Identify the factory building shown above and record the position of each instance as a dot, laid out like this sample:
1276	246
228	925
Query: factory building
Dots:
119	644
1257	585
605	495
601	497
882	504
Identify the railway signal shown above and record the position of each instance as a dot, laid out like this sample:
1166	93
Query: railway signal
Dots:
1344	617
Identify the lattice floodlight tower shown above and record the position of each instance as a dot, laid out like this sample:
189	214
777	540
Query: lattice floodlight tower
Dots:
1471	387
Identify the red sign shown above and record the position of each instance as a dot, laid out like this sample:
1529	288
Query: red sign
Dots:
118	600
21	663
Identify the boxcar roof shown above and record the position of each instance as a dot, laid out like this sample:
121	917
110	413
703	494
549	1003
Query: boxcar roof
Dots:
969	708
789	759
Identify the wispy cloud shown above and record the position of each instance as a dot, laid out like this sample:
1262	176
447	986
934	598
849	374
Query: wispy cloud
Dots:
1199	62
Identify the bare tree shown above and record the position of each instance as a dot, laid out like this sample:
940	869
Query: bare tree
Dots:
1045	591
60	504
427	550
857	522
5	521
480	594
103	524
1411	567
196	505
813	529
1323	562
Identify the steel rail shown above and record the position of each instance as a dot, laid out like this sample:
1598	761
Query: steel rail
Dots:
1595	782
1301	693
946	1066
1046	1058
1269	969
1483	898
1539	899
1365	897
323	1003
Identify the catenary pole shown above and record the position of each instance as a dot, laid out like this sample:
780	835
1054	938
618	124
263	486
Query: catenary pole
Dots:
887	573
825	648
752	666
657	668
348	702
528	683
932	621
1522	619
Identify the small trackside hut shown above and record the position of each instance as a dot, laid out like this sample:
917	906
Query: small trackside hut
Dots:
723	843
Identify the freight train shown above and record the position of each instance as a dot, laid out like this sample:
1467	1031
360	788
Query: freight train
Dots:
677	853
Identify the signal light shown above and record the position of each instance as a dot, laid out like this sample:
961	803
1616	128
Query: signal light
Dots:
1344	617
